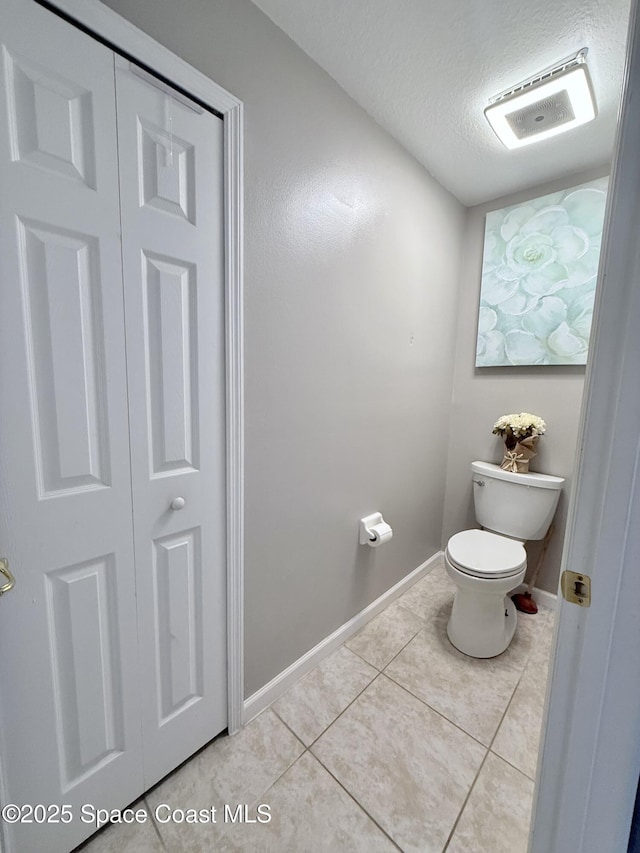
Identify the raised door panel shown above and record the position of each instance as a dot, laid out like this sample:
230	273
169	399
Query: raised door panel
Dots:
167	169
171	191
66	356
50	119
171	336
82	607
177	567
69	707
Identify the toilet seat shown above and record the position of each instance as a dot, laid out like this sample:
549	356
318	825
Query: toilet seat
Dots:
485	555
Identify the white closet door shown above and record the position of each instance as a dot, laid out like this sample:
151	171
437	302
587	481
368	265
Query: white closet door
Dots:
69	713
172	237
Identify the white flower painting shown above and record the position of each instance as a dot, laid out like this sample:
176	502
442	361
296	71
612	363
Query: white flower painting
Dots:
539	276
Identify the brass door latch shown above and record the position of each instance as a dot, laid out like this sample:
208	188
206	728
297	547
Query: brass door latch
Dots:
576	588
10	581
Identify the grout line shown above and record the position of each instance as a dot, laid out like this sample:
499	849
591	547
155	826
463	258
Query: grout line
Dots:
456	725
364	660
264	796
360	692
328	726
513	766
413	636
280	775
358	804
260	798
346	708
435	711
425	623
466	800
223	832
330	772
424	619
484	747
154	824
284	723
316	758
506	710
291	763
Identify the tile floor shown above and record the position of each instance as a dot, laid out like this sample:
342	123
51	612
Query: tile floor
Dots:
395	742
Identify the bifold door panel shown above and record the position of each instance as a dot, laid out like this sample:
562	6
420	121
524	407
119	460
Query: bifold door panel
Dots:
172	237
113	664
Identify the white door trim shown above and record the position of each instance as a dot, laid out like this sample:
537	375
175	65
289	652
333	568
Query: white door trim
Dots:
125	37
591	748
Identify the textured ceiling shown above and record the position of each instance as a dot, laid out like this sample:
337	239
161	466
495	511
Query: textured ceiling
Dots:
425	70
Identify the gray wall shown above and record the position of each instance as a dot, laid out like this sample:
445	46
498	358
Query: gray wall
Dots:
481	395
352	255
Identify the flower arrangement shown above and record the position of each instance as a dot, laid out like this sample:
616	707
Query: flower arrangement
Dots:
520	434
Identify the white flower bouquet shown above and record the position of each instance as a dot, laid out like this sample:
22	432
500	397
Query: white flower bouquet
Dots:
520	434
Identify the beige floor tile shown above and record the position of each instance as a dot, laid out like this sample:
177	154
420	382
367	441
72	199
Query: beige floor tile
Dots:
518	737
387	634
429	594
316	700
400	760
473	693
406	765
311	813
233	770
124	837
542	649
497	814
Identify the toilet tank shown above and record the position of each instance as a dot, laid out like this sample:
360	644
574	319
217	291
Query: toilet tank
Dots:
517	505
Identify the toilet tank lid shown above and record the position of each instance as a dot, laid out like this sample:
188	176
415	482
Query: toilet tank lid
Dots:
540	481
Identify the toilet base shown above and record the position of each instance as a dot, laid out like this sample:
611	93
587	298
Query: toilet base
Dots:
483	617
486	646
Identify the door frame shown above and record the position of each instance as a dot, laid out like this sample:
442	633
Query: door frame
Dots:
124	37
590	758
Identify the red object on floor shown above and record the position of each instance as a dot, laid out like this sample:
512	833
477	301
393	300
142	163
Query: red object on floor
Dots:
524	602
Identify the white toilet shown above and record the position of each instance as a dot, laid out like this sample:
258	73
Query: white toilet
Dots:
487	564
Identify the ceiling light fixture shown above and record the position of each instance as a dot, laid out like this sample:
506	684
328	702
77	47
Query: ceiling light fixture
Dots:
551	102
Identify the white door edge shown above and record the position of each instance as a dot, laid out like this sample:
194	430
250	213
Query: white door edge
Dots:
124	36
590	757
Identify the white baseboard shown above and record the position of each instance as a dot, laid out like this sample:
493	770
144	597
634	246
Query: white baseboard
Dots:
546	599
271	691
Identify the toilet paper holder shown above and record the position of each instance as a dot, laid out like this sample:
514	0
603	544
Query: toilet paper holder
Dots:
374	530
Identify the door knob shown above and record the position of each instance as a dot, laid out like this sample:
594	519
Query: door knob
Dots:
178	503
4	571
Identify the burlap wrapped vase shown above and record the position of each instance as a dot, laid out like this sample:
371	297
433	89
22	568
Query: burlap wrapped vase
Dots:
517	457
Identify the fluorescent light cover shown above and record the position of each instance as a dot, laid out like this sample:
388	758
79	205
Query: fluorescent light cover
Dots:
575	81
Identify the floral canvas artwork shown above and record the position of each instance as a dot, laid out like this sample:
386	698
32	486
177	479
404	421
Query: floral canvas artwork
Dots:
539	274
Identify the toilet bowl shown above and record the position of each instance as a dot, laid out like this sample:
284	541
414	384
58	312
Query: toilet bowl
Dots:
484	567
